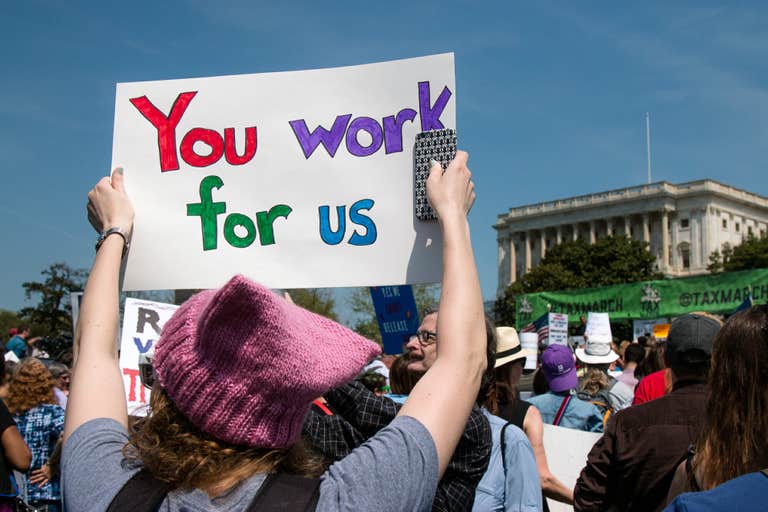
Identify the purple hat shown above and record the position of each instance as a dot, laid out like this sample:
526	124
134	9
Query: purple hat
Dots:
559	368
243	364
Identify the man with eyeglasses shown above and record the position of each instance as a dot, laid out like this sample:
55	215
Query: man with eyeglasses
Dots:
359	414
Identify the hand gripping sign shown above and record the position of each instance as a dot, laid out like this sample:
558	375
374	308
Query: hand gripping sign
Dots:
295	179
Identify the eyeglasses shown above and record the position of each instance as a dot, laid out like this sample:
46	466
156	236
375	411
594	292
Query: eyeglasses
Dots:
426	338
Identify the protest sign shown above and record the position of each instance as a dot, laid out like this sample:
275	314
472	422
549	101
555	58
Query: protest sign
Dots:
397	315
530	341
558	329
598	327
567	451
640	327
295	179
142	322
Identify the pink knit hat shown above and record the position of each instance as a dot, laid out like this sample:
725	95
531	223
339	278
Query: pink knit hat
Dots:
243	365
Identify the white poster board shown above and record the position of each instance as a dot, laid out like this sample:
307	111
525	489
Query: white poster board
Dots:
558	329
530	341
640	327
567	451
598	328
142	322
296	179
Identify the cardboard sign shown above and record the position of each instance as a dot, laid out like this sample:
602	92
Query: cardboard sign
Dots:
640	327
558	329
296	179
143	321
567	451
598	327
397	315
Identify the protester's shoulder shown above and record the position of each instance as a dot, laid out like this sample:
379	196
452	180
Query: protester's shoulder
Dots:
745	493
478	426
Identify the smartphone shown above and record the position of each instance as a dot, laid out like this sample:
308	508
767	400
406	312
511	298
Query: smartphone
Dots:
437	145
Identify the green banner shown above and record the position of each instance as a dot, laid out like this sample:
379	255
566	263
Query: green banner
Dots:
721	293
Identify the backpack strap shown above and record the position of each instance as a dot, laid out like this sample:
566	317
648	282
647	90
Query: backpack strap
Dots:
504	446
764	471
561	410
282	492
142	493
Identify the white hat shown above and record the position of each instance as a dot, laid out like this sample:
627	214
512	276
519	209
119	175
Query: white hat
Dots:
596	352
508	347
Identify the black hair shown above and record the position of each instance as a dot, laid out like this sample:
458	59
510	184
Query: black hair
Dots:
634	353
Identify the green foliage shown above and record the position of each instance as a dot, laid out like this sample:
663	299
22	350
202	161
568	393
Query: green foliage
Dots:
577	264
365	323
317	300
751	253
53	315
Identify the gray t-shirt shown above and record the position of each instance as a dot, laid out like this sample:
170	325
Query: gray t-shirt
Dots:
394	470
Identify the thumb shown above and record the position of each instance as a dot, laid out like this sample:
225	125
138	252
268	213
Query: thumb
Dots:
118	180
435	169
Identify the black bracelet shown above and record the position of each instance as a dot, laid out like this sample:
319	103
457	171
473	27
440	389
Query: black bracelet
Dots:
114	231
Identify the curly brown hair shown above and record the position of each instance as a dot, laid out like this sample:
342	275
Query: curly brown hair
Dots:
176	452
31	385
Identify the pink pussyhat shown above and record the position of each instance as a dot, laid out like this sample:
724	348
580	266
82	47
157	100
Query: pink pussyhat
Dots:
243	365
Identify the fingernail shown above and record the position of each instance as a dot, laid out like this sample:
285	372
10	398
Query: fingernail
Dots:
119	170
433	162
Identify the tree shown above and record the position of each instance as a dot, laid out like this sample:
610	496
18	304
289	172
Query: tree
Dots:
578	264
53	313
365	323
317	300
751	253
8	320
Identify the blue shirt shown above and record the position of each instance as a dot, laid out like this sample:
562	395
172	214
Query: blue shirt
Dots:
516	487
18	346
746	493
41	427
579	415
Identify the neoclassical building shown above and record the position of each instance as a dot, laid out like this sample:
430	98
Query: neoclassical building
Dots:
683	223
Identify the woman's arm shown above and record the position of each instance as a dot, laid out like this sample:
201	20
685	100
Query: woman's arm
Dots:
443	398
15	449
552	487
97	386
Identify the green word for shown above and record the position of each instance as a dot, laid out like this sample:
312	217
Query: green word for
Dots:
208	211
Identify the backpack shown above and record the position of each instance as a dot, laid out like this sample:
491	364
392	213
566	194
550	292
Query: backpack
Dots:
279	492
602	401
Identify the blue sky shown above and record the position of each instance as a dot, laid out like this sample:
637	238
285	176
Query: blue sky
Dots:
551	96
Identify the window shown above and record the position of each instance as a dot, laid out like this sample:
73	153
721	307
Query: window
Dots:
725	223
738	227
749	230
684	223
686	256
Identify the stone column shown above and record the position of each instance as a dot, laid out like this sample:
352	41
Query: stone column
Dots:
559	234
628	226
527	251
575	232
664	241
609	227
591	232
695	254
675	263
646	230
512	260
543	240
705	236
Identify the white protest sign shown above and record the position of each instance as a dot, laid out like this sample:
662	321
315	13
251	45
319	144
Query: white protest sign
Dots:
530	341
640	327
598	327
558	328
567	451
142	322
295	179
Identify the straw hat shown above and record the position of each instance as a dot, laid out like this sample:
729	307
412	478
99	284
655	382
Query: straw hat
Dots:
508	347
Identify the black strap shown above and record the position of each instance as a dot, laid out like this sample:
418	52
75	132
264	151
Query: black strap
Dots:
764	471
282	492
504	446
279	492
142	493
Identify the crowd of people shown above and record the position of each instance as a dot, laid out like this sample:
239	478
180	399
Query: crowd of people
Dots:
258	404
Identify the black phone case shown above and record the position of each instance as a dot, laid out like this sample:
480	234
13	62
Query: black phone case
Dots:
437	145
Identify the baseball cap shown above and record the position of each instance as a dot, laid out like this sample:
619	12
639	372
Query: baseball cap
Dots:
559	368
690	338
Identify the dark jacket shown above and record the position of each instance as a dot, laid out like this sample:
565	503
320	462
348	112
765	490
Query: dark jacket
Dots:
632	465
359	414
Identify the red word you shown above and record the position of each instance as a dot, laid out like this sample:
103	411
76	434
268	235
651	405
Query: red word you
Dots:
166	137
